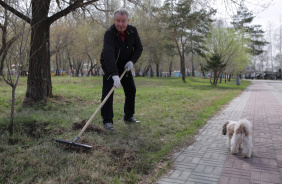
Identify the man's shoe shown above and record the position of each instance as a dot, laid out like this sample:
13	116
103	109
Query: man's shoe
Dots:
109	126
131	120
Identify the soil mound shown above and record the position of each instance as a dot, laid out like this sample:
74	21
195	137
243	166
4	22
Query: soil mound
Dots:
90	128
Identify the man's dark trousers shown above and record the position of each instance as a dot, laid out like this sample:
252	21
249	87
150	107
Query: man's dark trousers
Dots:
129	89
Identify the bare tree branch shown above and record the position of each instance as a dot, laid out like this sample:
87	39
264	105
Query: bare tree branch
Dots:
14	11
59	4
9	44
71	7
101	9
137	3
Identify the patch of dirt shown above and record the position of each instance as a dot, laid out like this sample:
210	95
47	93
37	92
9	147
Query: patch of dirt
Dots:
90	128
35	129
59	131
125	160
101	147
57	99
118	152
26	102
13	140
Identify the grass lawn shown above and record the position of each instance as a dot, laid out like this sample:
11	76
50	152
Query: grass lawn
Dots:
170	111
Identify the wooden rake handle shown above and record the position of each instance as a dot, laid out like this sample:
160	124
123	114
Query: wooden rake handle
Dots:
99	108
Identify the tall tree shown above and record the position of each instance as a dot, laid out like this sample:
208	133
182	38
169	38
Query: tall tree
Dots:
146	19
59	40
40	18
253	33
188	28
199	27
225	50
174	14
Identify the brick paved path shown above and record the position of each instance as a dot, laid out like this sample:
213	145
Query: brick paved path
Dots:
208	160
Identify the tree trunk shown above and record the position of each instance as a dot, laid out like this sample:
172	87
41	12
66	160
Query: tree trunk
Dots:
70	64
39	85
192	58
215	78
203	71
147	68
229	78
78	68
3	48
137	70
151	71
181	54
157	70
11	126
4	55
182	65
170	69
90	71
98	71
57	65
145	71
193	67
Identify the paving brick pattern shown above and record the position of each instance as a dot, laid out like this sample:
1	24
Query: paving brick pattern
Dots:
264	109
209	161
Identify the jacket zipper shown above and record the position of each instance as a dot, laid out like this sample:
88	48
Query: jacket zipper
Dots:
118	55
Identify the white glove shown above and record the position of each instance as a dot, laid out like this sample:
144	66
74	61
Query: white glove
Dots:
129	65
116	81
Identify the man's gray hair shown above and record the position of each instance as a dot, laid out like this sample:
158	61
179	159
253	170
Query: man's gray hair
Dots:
121	11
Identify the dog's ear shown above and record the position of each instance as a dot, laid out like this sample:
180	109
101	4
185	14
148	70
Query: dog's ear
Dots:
224	128
245	132
242	130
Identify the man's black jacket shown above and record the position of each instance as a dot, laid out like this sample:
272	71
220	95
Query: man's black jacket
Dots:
111	63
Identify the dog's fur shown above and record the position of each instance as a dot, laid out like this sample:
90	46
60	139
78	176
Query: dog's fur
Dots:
239	134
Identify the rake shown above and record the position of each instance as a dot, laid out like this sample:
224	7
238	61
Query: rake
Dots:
74	142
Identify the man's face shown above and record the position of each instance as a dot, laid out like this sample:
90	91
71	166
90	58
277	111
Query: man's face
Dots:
121	22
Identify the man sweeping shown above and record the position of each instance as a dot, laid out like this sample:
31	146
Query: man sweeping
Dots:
122	48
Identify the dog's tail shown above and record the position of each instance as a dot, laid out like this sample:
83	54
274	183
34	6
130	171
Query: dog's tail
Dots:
224	128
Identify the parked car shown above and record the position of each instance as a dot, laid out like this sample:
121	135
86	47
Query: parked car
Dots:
259	76
278	74
247	76
269	75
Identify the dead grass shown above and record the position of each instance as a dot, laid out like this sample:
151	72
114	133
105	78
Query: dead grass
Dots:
90	128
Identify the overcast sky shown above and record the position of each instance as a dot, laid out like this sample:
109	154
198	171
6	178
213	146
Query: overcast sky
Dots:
273	15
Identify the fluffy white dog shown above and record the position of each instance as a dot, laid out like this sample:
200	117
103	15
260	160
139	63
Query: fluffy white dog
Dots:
239	135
